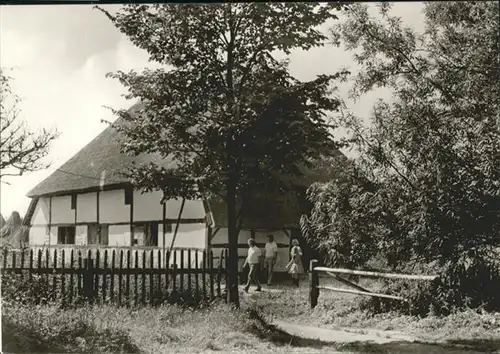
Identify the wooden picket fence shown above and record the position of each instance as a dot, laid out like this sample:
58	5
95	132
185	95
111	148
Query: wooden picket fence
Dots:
124	277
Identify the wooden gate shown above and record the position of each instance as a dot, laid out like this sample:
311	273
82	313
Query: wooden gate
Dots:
315	287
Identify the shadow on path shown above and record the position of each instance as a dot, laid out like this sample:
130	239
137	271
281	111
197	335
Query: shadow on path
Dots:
296	335
279	336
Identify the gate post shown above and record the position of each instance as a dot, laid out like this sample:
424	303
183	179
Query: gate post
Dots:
314	283
88	279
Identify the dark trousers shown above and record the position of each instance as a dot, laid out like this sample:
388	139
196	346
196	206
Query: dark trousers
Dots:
253	276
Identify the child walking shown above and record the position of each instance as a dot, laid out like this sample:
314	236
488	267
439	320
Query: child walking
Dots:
295	267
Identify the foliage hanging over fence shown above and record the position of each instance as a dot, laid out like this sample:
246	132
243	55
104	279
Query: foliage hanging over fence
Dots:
425	187
426	183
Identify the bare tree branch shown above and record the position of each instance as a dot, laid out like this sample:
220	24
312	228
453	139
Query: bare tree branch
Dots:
21	150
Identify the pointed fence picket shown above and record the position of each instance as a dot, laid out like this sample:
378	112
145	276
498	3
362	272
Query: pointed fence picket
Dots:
131	278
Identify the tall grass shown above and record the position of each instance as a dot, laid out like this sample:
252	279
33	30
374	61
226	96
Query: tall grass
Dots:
165	329
35	321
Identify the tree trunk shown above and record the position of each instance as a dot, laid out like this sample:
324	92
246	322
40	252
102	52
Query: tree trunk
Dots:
232	227
232	234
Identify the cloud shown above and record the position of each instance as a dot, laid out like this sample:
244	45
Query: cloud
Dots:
62	88
61	55
79	30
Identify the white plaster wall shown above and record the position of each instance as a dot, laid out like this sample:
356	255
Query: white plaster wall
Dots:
193	209
280	237
61	210
53	235
81	235
283	241
38	235
188	235
112	208
119	235
160	235
147	206
242	253
168	236
86	207
41	214
222	237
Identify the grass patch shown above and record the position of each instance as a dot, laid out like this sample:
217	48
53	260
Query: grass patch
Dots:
165	329
29	328
340	311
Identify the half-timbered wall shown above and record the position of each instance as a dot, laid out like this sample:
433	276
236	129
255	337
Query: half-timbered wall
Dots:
121	217
281	237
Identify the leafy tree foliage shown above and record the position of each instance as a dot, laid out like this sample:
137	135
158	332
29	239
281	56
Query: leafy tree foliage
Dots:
426	184
21	150
229	112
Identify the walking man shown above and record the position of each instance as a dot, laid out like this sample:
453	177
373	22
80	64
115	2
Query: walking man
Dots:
253	260
271	257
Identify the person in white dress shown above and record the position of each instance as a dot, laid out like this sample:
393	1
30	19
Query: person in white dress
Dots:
295	267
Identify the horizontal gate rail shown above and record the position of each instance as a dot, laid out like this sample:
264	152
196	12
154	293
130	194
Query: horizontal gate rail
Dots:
357	292
376	274
334	272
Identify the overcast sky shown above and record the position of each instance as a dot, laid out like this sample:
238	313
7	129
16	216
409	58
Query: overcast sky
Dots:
60	55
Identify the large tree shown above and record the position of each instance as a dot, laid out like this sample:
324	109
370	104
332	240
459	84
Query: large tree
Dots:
227	110
426	185
21	150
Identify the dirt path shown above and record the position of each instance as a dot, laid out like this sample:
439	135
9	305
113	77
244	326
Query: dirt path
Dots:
338	336
329	335
360	340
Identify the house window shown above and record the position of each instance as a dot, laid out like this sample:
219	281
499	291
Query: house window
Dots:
73	202
129	195
66	235
104	233
146	234
97	234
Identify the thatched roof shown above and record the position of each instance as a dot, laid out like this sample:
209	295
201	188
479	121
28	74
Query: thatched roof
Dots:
99	164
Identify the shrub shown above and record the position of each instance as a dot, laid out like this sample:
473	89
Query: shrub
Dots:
25	289
462	285
47	328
